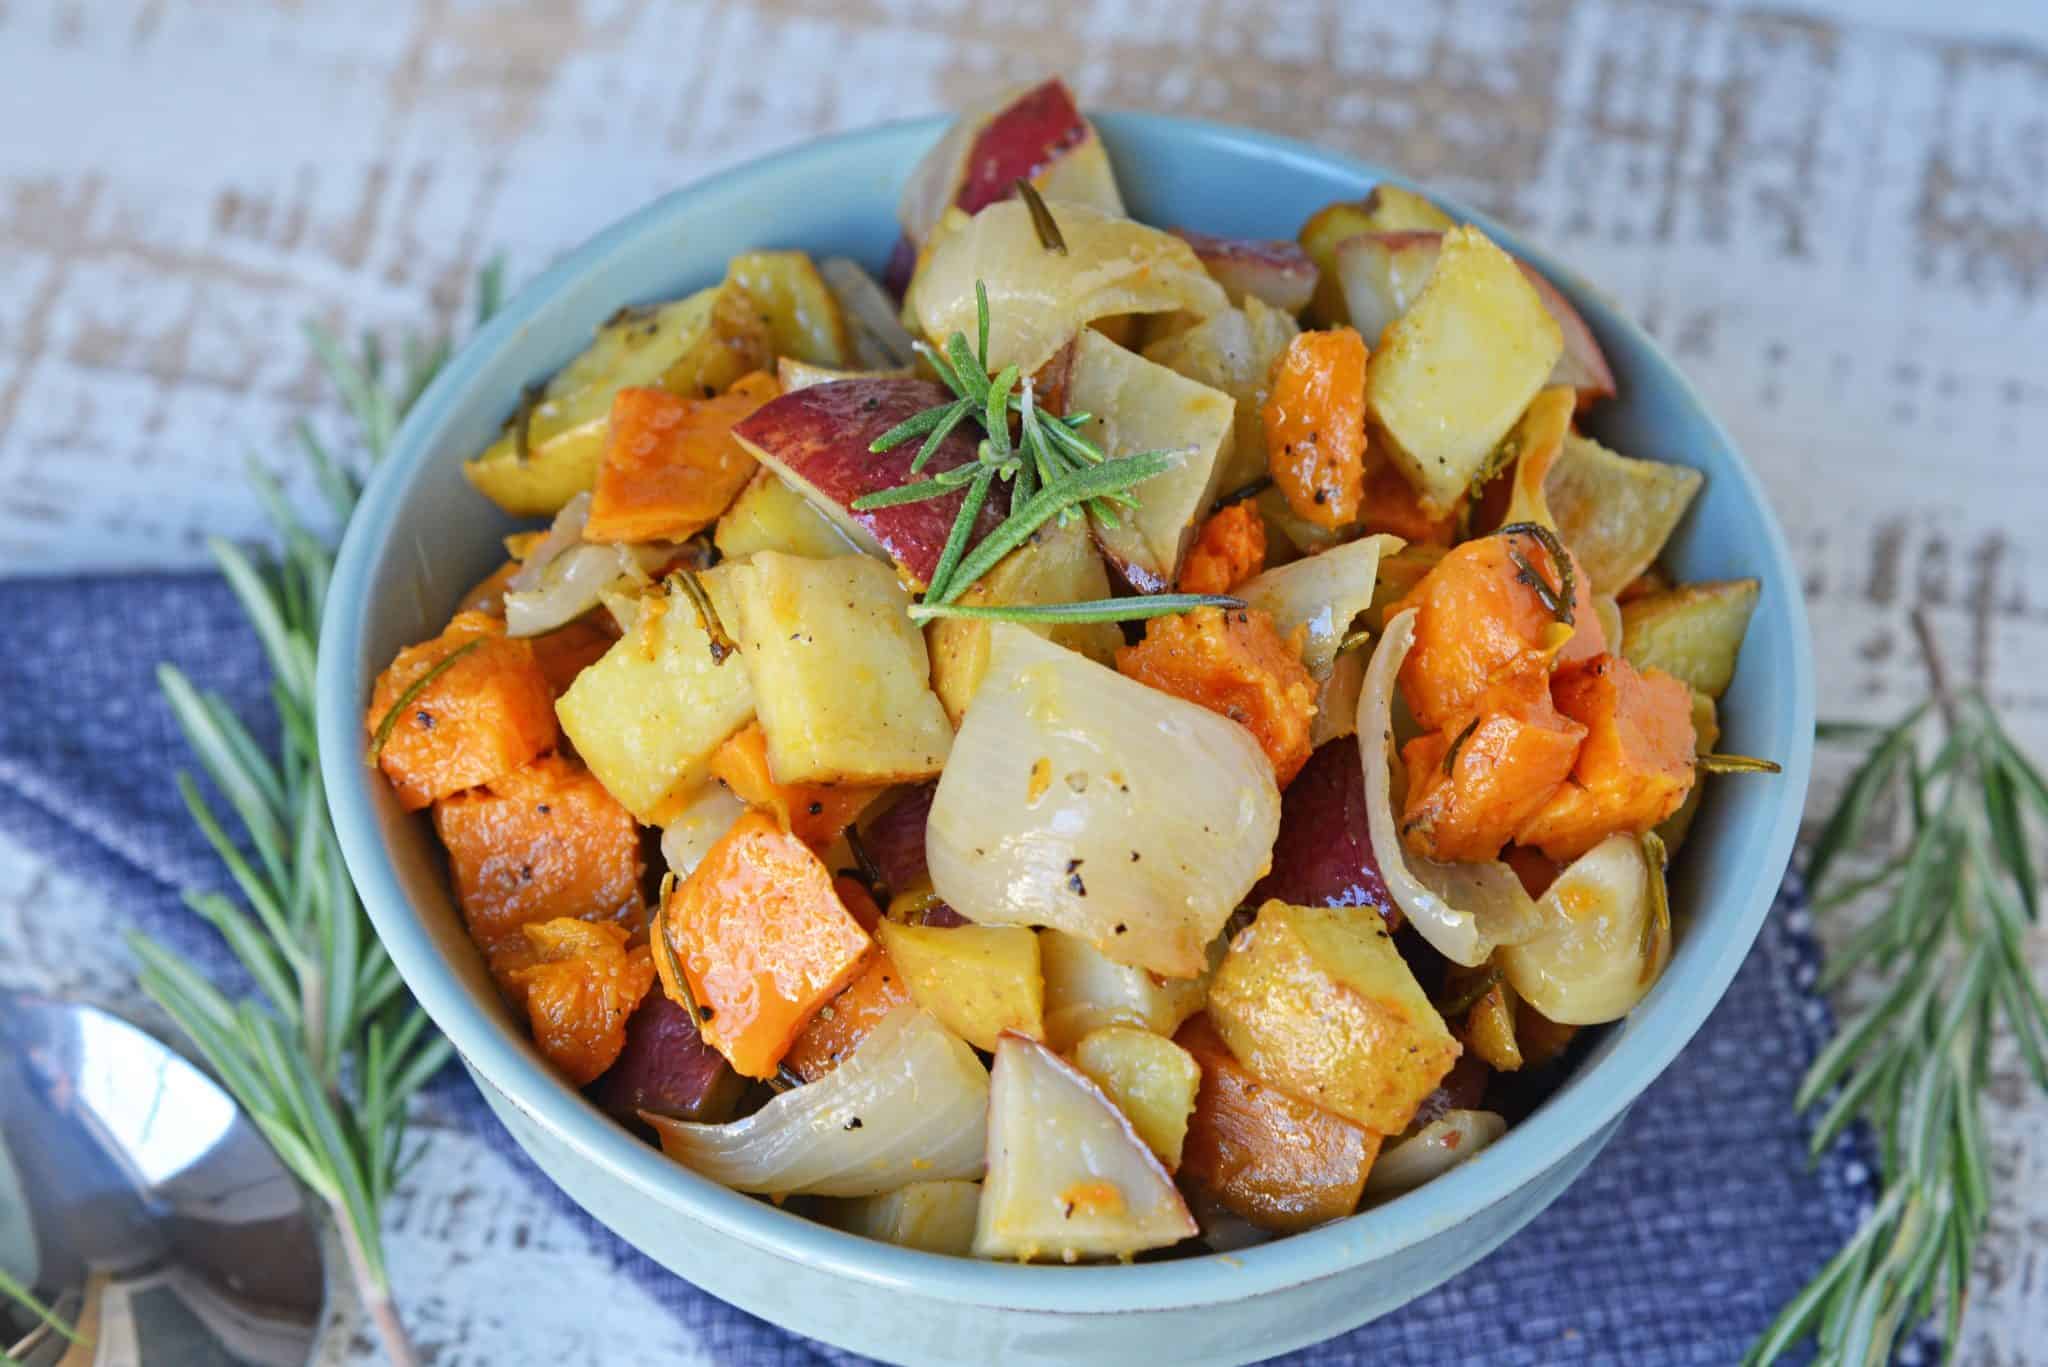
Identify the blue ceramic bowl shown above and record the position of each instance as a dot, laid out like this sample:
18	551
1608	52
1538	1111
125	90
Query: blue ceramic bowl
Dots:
422	536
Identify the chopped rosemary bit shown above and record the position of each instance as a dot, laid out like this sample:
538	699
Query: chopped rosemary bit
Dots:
1471	994
1735	764
1041	220
1657	925
1559	599
722	645
1132	609
389	722
1451	755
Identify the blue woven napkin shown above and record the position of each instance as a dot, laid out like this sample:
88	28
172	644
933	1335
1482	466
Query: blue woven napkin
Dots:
1676	1246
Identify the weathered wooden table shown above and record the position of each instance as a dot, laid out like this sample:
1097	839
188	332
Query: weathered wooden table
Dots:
1836	219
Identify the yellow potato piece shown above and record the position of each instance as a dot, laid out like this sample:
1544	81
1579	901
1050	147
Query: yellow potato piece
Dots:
1694	631
840	675
802	314
648	715
978	980
770	516
1057	564
1152	1080
693	346
1614	512
1318	1002
1453	373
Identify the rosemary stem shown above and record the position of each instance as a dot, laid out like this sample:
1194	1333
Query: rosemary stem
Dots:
373	1291
1937	666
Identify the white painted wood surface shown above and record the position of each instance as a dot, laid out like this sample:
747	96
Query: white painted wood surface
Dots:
1837	219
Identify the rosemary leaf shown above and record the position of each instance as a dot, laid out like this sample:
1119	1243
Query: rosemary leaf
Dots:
1133	609
411	695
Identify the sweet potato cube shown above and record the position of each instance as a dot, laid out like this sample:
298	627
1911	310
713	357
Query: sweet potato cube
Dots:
842	1023
1230	548
1392	505
483	716
763	941
542	843
1151	1079
1315	426
840	674
648	716
580	989
671	465
1236	664
1267	1157
1317	1001
980	981
1472	785
573	647
1636	764
816	812
1479	622
1451	375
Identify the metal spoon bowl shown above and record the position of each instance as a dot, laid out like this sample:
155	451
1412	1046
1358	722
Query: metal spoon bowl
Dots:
139	1201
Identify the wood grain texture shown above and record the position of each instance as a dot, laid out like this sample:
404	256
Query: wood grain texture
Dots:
1837	220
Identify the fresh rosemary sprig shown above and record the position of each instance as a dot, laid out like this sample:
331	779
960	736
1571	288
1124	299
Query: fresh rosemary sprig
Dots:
326	1056
1052	469
1948	947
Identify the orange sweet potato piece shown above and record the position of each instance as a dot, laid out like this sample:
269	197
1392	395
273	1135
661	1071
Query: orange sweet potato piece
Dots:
483	716
1314	415
488	594
573	647
1474	783
670	463
1237	664
1392	505
815	812
844	1022
1230	549
1477	623
1536	869
542	843
1268	1157
860	904
581	986
1635	767
763	941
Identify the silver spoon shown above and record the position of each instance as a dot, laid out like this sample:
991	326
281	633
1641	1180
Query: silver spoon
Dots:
137	1199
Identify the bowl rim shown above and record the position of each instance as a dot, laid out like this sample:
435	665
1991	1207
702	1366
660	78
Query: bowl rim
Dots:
1540	1142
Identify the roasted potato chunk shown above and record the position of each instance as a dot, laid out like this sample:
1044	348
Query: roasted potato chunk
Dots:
1452	374
1317	1001
1615	513
840	675
550	451
1694	631
978	980
648	716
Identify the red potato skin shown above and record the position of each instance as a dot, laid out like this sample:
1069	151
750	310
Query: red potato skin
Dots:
1018	142
1584	366
895	841
667	1069
1277	270
818	439
1323	856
